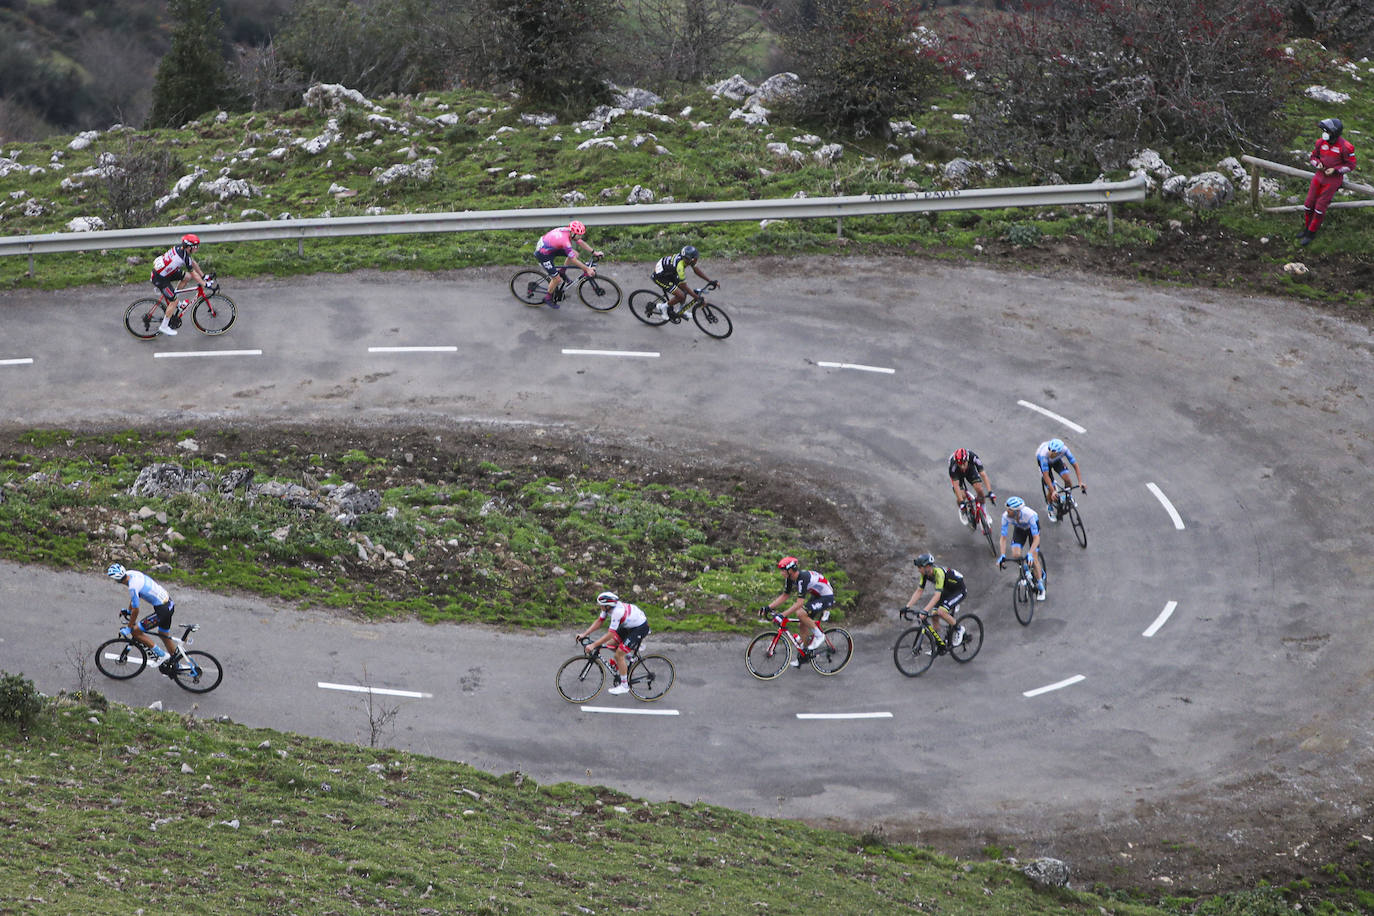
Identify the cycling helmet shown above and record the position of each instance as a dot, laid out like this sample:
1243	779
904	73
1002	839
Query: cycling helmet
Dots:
1332	127
115	571
925	559
577	227
961	456
689	252
1056	445
190	240
607	599
788	563
1015	503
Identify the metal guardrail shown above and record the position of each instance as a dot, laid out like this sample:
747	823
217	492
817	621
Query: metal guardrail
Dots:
1257	163
633	215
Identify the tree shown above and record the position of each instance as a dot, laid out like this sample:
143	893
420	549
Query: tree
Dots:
1080	85
689	40
860	62
191	77
556	52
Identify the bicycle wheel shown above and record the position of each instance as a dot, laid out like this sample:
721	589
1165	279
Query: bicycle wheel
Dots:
202	676
835	654
640	302
1022	601
530	286
120	659
972	641
768	654
600	293
912	653
712	320
651	677
214	315
580	678
1076	521
143	316
987	533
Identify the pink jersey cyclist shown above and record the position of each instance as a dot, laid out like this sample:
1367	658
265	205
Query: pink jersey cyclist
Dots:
560	242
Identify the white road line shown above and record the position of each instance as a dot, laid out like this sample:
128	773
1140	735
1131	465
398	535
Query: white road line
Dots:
1053	416
412	349
187	353
860	368
642	354
26	361
1067	682
1160	620
381	691
844	715
630	712
1168	506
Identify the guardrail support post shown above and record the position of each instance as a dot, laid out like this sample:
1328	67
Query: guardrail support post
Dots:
839	227
300	247
30	260
1110	227
1254	188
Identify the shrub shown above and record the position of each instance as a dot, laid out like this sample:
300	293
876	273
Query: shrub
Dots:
142	173
20	703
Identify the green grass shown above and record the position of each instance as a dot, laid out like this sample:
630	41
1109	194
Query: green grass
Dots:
110	809
724	161
510	543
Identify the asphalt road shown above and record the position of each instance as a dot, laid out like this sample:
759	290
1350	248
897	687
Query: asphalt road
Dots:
1248	416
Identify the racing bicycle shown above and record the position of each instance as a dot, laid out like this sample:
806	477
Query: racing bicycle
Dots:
651	307
212	312
596	292
1023	590
917	647
1068	508
124	657
976	517
770	653
581	677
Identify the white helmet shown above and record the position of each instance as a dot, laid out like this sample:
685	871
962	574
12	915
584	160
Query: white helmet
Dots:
607	599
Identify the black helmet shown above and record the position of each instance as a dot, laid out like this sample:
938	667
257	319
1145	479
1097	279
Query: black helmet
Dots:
690	253
1332	126
924	559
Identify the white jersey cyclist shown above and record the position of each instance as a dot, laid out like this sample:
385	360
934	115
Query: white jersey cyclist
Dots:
1048	461
143	586
623	616
1023	519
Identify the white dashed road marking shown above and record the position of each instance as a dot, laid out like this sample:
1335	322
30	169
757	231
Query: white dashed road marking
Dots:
641	354
630	712
844	715
380	691
1067	682
1052	415
412	349
187	353
1160	620
1168	506
26	361
856	366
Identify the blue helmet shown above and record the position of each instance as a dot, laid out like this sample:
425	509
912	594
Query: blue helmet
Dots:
1056	445
1015	503
115	571
689	253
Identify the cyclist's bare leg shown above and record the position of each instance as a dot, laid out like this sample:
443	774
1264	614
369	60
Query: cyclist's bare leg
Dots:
808	627
943	613
981	489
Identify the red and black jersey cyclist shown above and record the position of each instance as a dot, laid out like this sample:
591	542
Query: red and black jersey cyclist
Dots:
559	242
947	591
627	622
814	598
670	274
966	471
169	268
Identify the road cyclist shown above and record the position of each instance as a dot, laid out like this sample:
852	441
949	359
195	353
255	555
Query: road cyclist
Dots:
168	268
560	242
966	472
815	596
1053	457
947	592
1023	523
143	588
670	275
627	622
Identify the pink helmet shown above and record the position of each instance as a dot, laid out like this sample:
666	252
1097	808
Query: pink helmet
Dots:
577	227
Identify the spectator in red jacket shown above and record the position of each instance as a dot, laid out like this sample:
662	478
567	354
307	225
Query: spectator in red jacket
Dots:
1333	157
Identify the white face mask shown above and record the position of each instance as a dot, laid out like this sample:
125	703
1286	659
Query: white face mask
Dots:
1325	135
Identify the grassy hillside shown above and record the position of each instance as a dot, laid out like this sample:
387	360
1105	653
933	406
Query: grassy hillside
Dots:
484	155
112	810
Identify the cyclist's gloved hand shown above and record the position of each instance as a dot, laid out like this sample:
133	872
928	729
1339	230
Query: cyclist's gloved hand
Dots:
905	613
1083	487
765	611
124	613
1001	561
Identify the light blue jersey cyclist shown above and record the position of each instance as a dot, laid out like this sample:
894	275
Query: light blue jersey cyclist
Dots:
1023	523
144	590
1052	456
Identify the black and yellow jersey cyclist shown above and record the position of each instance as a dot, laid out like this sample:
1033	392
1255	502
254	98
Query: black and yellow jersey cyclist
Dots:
670	273
947	585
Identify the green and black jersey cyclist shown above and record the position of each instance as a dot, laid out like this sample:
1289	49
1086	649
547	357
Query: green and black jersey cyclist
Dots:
670	273
947	591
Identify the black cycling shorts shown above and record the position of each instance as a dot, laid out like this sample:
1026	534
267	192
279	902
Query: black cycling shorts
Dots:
633	636
160	619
